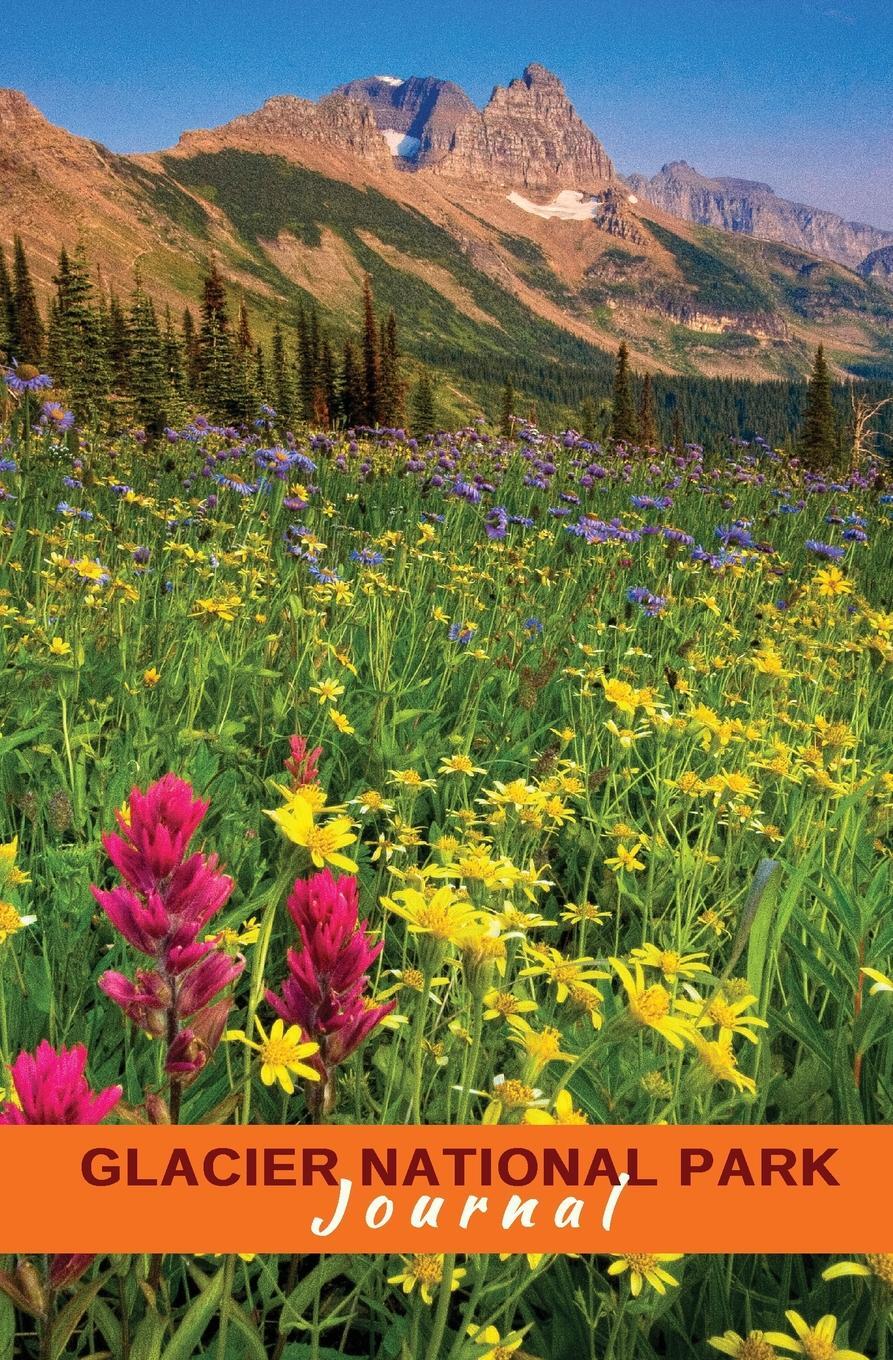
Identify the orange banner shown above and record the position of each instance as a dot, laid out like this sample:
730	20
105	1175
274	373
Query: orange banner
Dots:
287	1189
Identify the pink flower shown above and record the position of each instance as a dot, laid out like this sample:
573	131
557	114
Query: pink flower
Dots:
302	765
326	989
155	835
165	902
52	1089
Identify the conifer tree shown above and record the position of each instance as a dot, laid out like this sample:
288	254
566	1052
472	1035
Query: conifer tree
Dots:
423	413
390	384
589	419
191	359
117	342
172	354
244	338
328	387
623	419
149	387
244	396
371	359
507	409
351	386
6	310
647	420
27	329
76	343
216	359
678	437
818	433
260	373
281	390
308	360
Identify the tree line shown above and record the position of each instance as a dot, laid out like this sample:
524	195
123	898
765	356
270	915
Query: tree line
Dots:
119	360
825	430
108	353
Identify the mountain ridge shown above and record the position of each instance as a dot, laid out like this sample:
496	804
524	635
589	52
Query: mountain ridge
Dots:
507	243
755	209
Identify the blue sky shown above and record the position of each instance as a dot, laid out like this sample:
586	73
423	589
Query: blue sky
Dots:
794	92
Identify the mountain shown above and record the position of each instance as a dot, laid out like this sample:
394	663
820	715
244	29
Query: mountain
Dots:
527	136
879	266
754	209
418	117
508	245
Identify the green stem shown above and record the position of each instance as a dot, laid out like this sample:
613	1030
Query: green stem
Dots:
440	1317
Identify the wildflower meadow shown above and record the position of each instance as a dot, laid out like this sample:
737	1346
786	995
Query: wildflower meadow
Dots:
357	778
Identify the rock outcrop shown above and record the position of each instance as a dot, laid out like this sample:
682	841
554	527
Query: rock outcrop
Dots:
754	209
528	136
423	109
879	266
335	121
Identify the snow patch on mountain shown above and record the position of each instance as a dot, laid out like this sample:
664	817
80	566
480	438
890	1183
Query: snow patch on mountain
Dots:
389	80
570	205
401	144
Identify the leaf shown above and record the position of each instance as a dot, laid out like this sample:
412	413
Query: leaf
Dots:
195	1320
755	925
301	1298
253	1347
147	1339
7	1328
847	1104
69	1317
302	1350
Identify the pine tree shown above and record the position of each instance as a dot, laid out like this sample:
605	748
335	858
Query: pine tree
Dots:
7	320
149	387
423	414
76	342
507	409
623	418
391	386
647	420
6	310
244	397
818	433
328	387
589	419
351	401
191	360
172	353
216	359
27	328
117	343
281	390
260	373
678	436
244	338
308	360
371	359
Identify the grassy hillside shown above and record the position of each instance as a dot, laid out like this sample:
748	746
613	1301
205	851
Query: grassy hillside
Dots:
264	195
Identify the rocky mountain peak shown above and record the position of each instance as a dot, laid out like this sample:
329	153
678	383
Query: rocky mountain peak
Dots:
535	74
529	136
16	110
879	266
285	119
754	209
417	116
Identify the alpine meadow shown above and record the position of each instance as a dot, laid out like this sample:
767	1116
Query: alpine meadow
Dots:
447	638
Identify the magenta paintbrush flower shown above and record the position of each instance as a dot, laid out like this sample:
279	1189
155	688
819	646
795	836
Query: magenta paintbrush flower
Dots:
302	764
52	1089
167	898
328	976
